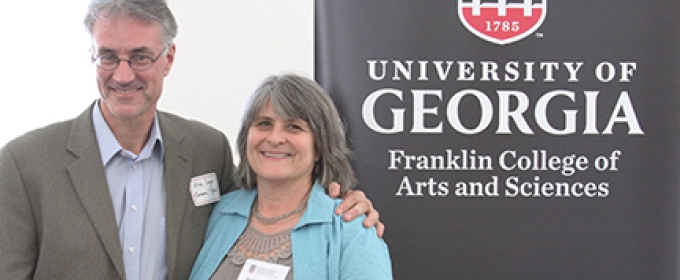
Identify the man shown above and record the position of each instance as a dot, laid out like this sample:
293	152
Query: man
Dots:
122	191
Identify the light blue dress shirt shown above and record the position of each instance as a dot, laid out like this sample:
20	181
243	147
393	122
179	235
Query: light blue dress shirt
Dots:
137	188
324	245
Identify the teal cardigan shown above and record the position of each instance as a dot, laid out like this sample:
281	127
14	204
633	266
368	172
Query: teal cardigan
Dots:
324	245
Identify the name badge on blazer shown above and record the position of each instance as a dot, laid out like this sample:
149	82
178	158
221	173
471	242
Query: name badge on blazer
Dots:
204	189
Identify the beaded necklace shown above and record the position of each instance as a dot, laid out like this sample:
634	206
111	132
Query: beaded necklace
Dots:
273	220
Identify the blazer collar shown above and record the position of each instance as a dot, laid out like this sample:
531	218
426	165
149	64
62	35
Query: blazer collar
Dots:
178	171
89	181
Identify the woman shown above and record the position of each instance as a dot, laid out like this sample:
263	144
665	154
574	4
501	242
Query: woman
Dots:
291	142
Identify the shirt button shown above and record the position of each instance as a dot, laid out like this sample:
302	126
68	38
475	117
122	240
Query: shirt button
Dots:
134	166
131	250
134	208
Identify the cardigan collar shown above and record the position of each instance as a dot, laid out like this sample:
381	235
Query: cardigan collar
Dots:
319	210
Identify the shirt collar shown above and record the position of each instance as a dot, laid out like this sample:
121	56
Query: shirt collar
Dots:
109	146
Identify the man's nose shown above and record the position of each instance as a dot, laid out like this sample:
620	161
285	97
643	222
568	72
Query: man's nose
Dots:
123	74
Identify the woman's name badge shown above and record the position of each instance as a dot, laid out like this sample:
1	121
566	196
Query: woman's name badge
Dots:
258	270
204	189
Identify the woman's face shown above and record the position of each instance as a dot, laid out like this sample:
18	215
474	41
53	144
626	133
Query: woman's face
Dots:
280	151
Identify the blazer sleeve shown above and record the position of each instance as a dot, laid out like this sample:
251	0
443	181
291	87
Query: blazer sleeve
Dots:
18	234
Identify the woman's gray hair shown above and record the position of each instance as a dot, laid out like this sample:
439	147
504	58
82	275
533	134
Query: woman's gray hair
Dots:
145	10
295	97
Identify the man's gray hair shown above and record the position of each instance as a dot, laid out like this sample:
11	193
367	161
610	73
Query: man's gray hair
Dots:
145	10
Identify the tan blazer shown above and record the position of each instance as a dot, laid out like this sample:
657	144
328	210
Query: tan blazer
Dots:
56	216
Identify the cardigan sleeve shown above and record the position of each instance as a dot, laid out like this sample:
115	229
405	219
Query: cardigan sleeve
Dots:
364	255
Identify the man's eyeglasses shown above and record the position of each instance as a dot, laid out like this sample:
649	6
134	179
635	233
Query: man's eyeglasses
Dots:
137	62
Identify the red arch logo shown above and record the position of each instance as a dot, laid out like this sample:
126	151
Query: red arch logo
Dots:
502	22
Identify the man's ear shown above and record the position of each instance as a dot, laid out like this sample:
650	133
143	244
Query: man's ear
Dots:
170	56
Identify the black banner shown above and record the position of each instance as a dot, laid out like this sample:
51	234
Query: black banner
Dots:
513	139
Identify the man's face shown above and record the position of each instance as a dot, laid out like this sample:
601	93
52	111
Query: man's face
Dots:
129	94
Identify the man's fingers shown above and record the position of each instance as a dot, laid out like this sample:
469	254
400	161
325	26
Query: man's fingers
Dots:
334	190
350	201
356	203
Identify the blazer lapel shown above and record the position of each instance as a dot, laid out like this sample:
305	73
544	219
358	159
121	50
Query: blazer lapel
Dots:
178	166
89	181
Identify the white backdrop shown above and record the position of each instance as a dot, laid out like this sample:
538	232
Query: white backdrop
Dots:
224	49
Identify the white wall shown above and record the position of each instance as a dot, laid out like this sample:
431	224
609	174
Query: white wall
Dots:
224	49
